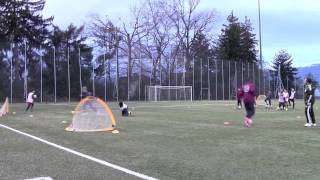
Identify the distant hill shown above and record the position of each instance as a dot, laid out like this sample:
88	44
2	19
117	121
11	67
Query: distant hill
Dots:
313	69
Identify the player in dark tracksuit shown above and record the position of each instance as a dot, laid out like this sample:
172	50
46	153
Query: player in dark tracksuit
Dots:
249	96
239	95
268	99
309	100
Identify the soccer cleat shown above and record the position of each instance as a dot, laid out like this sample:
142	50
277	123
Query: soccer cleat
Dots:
314	124
247	122
307	125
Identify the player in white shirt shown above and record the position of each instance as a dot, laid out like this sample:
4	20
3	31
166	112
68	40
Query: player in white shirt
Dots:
281	101
30	100
286	99
124	109
292	97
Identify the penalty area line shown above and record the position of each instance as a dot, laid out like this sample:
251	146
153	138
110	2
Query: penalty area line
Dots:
105	163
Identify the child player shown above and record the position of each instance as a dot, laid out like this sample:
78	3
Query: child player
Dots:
30	100
281	101
286	99
124	109
249	96
292	97
239	94
268	99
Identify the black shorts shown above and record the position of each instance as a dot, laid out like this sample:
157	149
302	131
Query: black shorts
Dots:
249	106
125	112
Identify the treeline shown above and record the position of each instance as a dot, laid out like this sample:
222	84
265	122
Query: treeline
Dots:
161	43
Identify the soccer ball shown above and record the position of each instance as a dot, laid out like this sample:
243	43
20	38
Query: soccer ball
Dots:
35	96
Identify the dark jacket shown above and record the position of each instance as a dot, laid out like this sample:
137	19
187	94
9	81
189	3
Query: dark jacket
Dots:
309	94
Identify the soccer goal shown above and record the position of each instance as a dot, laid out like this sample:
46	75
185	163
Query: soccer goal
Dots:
169	93
260	100
92	114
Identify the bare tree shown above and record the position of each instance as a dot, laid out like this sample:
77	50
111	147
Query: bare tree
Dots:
106	35
189	22
131	34
160	30
157	40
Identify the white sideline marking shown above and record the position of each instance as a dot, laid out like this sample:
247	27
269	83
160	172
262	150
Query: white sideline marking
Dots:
142	176
41	178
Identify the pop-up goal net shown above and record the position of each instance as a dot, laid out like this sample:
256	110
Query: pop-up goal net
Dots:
92	114
4	108
169	93
260	100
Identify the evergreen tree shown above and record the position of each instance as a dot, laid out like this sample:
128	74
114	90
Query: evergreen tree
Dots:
237	42
202	50
22	20
248	42
229	40
61	41
22	27
287	71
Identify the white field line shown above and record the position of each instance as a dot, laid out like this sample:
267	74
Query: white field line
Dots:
105	163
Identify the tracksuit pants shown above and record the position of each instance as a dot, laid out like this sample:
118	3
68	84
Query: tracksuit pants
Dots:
310	114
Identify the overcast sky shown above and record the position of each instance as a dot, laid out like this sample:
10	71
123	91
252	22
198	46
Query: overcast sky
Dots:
292	25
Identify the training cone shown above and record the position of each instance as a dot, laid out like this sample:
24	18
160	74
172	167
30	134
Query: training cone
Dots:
115	131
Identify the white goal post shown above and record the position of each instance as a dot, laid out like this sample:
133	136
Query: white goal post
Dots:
168	93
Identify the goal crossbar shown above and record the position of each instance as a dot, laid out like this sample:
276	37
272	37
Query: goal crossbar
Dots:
169	93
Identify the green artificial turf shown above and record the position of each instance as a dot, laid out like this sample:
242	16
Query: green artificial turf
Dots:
165	140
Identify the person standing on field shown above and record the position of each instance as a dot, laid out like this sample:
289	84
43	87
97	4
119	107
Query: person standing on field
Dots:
239	94
309	100
249	96
292	97
268	99
286	99
281	100
30	100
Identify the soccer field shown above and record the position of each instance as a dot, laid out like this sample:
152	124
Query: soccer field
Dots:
165	140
